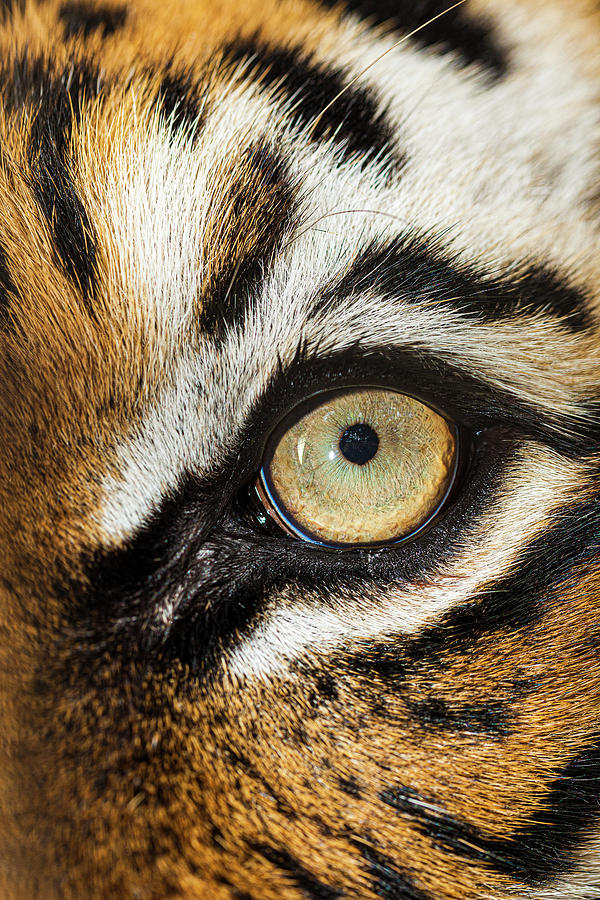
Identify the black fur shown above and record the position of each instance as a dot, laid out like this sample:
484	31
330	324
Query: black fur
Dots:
468	400
56	99
301	877
519	599
406	270
536	852
321	102
489	717
8	290
350	786
266	201
326	688
388	880
8	7
30	82
513	603
81	18
181	100
470	39
547	845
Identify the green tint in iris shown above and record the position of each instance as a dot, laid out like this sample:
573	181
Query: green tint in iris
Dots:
364	467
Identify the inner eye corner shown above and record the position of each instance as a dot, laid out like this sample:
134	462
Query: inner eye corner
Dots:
359	468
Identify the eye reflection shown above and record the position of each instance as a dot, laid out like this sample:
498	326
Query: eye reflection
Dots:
364	466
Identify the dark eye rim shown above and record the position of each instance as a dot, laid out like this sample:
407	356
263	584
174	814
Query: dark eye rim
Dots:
265	499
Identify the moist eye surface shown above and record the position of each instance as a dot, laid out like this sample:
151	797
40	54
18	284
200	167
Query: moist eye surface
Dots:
360	466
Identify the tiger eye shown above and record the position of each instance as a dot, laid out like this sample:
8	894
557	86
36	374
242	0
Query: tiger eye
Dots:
364	466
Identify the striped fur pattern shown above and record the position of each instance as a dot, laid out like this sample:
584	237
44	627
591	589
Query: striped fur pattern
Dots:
211	211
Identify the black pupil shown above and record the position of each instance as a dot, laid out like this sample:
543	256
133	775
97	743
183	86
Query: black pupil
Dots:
359	443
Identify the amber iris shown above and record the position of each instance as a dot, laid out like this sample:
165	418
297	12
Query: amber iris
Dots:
363	466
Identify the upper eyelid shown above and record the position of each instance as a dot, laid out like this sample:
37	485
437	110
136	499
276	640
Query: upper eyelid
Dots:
508	356
505	362
468	399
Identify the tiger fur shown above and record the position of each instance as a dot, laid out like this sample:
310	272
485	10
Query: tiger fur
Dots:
212	210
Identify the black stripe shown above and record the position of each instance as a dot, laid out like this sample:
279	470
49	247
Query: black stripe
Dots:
350	786
74	238
326	690
446	832
8	290
519	600
489	717
81	18
546	847
30	82
170	563
320	101
535	853
409	270
55	100
258	208
387	879
24	81
471	39
514	602
312	887
181	99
